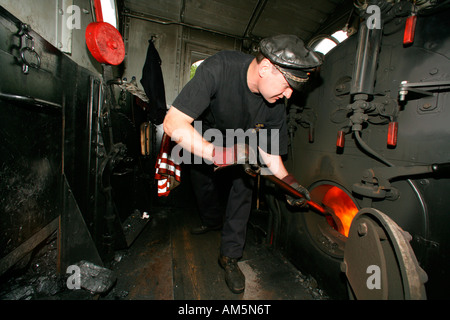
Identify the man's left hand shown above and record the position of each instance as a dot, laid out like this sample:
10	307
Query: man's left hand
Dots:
298	202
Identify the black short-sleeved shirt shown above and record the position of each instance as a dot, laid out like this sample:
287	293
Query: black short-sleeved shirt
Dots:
220	98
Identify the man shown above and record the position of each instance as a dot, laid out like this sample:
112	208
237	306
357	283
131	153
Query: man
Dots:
233	90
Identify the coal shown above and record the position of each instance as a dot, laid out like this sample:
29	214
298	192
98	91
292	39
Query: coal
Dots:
94	278
37	278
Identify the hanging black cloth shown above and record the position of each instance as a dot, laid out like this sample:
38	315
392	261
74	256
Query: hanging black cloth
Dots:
153	84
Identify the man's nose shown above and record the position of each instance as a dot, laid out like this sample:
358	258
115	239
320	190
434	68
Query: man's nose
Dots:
288	92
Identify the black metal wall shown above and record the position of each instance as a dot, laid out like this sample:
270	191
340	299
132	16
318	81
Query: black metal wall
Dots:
31	122
423	138
69	154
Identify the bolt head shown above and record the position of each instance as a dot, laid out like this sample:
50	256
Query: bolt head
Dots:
362	229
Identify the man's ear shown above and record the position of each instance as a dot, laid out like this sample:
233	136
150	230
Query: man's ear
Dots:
265	66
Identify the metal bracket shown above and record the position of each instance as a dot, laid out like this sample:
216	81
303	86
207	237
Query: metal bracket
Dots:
427	243
27	49
375	182
428	88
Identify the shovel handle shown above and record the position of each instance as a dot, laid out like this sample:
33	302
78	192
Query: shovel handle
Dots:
287	188
295	193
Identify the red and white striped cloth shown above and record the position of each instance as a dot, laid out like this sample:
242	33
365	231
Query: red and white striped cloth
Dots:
168	173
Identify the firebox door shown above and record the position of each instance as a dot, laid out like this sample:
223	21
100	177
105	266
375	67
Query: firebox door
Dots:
379	262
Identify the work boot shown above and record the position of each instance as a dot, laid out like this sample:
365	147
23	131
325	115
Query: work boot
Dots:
234	277
204	229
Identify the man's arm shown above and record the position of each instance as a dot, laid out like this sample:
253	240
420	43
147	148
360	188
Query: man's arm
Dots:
274	163
178	126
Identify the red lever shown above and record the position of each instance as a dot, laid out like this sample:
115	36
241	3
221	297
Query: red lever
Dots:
340	142
410	29
392	134
98	10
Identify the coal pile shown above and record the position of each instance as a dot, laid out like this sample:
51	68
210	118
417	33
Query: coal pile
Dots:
35	277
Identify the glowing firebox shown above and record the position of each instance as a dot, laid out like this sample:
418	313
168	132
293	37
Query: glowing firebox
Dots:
342	209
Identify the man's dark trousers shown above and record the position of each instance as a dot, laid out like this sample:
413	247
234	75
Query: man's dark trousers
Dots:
209	196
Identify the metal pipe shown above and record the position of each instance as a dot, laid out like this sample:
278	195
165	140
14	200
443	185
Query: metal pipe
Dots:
363	83
144	17
414	187
35	102
259	8
366	60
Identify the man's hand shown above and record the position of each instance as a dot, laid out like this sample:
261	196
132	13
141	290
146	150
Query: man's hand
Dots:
299	202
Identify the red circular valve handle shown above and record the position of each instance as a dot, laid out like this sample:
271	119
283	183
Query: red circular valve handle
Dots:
105	43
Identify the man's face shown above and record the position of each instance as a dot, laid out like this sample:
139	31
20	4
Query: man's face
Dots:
273	86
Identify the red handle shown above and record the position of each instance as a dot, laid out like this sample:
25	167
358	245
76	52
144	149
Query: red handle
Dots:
98	10
410	29
340	142
392	134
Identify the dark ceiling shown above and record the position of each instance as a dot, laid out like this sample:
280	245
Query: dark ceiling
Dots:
248	18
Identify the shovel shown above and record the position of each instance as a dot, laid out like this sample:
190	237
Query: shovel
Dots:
286	188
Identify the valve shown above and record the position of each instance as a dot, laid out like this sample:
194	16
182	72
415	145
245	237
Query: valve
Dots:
410	29
392	134
340	142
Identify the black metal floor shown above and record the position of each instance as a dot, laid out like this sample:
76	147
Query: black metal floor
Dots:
167	262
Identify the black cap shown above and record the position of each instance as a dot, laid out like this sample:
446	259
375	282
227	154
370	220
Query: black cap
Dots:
290	56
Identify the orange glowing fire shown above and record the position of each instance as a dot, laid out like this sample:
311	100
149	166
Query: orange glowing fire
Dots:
343	207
